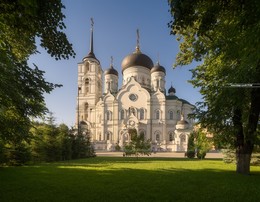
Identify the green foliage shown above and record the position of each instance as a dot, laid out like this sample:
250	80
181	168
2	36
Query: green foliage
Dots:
82	146
138	145
229	156
198	144
191	146
52	143
22	21
22	88
223	36
202	144
117	147
47	143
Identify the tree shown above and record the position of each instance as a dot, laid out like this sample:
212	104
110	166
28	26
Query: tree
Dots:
22	88
202	143
66	140
223	36
46	144
191	146
82	146
138	145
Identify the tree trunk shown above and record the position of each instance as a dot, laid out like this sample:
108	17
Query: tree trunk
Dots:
243	156
245	139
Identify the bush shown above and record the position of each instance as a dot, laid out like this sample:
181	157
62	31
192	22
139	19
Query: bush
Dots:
229	155
190	154
117	147
201	154
17	155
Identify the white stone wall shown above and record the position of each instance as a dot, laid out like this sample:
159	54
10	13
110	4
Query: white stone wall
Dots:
139	94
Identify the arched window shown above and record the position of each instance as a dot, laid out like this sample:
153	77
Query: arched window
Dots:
183	138
87	85
157	83
157	114
157	137
142	114
108	115
122	114
171	136
171	115
86	106
87	67
108	136
132	110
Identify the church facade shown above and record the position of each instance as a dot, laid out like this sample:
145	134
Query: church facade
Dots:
107	110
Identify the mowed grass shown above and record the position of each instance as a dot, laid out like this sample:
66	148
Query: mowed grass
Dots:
129	179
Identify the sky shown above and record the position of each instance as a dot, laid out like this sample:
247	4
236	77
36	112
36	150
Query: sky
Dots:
115	25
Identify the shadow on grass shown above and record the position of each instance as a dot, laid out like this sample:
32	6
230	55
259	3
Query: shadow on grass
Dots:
128	179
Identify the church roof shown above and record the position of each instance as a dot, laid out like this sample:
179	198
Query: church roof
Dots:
185	101
172	97
158	68
182	122
171	90
137	59
91	52
91	55
111	70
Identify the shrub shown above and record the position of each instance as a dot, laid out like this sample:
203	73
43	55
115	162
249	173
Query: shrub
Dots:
201	154
190	154
117	147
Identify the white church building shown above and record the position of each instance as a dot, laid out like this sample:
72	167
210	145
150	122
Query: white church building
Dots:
107	110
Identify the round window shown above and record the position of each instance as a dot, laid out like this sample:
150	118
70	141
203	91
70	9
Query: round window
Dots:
133	97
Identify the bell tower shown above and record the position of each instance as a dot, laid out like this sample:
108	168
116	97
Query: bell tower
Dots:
89	83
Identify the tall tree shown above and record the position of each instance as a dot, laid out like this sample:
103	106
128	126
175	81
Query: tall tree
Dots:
22	87
224	36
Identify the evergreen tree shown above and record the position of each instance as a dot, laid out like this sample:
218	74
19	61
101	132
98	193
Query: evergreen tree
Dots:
191	146
82	146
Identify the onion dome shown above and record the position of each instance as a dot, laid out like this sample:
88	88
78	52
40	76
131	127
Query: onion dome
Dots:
182	122
158	68
171	90
137	59
111	70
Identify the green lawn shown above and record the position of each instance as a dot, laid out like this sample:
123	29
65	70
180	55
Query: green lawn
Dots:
129	179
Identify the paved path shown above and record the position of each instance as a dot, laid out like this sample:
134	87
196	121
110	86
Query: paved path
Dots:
161	154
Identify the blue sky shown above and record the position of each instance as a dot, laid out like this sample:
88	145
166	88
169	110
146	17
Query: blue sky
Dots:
115	24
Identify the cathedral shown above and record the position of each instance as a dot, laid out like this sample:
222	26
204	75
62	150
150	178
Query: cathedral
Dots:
107	110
